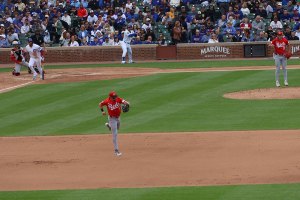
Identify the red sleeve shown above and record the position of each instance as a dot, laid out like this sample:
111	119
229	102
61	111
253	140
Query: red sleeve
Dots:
273	41
286	42
103	103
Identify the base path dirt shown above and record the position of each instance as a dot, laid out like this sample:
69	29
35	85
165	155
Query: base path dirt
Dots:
149	160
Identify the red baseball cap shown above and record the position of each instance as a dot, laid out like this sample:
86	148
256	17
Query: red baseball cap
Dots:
113	94
279	33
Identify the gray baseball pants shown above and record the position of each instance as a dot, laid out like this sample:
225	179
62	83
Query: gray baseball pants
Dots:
280	61
114	123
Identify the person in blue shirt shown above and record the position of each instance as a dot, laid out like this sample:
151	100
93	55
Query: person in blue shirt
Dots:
197	37
285	16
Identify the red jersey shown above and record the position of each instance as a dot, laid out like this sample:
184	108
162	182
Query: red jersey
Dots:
280	45
113	106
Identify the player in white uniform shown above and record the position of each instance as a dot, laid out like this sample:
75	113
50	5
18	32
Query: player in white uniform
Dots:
128	34
34	51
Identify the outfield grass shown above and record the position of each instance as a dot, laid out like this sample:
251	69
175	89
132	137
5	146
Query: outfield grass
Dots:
173	102
242	192
174	64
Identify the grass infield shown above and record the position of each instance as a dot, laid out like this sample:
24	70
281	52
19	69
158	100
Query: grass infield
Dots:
160	103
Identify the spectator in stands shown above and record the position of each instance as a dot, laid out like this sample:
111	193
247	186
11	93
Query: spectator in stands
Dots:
297	33
223	5
287	32
56	29
268	7
82	12
147	24
27	16
245	10
279	8
290	6
65	39
75	3
176	33
295	15
222	22
285	16
37	38
229	30
149	32
196	38
117	42
213	38
262	37
83	33
20	6
276	24
247	37
293	36
258	25
3	41
149	40
25	29
231	20
297	6
261	12
11	36
245	24
161	40
238	14
73	42
66	18
238	35
17	22
47	38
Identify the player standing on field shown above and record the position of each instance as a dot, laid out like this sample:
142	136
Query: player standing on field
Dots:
16	55
280	47
128	34
34	51
113	105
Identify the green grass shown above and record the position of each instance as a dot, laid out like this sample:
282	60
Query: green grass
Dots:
175	64
244	192
160	103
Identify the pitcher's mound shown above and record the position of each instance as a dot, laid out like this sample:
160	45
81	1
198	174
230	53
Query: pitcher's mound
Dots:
266	93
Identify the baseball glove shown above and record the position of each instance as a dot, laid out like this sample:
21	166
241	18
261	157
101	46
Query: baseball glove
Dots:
287	54
125	108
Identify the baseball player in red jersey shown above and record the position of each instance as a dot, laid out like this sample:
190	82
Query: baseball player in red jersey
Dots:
16	55
280	47
113	104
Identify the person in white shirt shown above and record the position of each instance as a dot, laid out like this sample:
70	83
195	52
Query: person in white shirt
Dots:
26	27
276	24
147	24
245	10
66	17
92	18
128	34
35	51
213	39
128	4
73	42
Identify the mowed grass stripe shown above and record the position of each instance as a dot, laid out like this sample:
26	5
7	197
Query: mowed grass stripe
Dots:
245	192
183	100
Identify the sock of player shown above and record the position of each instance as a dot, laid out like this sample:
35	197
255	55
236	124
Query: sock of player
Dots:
123	58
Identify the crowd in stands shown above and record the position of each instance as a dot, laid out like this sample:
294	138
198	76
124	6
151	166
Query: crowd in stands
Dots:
101	22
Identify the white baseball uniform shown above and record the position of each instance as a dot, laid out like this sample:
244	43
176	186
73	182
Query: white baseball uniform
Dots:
35	58
125	44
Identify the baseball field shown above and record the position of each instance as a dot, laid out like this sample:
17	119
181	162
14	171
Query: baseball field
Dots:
212	130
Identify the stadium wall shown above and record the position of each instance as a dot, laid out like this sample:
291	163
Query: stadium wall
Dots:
154	52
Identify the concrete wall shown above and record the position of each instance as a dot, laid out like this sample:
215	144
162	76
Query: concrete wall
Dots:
150	52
